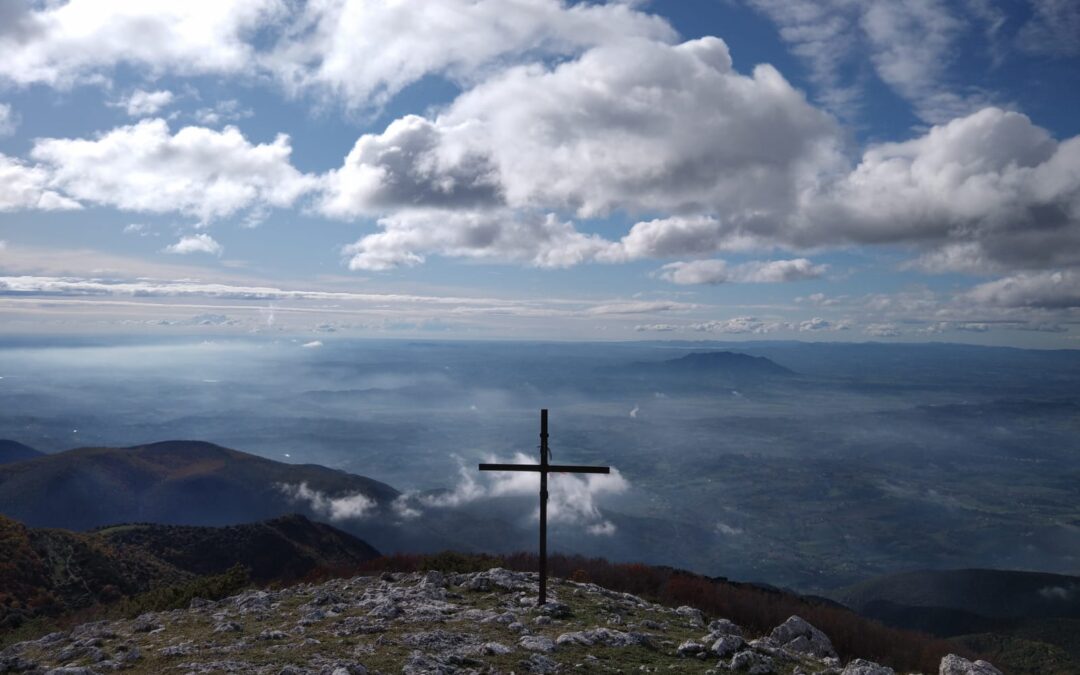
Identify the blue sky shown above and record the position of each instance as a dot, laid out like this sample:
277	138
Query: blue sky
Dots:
707	169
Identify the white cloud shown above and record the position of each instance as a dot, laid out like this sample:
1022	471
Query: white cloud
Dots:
349	507
229	110
314	344
196	171
1058	289
633	126
572	497
8	120
364	51
67	43
542	240
755	272
882	330
196	243
678	236
24	186
986	191
402	167
642	126
141	103
749	325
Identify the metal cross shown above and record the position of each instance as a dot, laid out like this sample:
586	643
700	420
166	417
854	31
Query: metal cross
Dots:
544	468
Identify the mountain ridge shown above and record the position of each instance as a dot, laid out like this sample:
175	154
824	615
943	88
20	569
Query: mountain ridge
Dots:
14	451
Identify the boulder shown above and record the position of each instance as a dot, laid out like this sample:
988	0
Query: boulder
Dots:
695	616
724	627
864	667
537	643
798	636
958	665
690	648
725	645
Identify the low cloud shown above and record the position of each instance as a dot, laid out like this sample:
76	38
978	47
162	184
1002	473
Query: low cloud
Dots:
1056	289
748	325
196	243
1061	593
573	498
142	103
755	272
349	507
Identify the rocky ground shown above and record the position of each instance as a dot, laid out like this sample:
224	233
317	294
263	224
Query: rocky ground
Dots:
485	622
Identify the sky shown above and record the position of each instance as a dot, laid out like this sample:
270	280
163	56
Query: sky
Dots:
842	170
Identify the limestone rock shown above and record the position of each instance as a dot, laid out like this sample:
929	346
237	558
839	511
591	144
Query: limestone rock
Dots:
695	616
537	643
798	636
958	665
690	648
864	667
725	645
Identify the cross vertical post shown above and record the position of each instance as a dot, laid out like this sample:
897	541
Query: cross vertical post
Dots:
543	503
544	468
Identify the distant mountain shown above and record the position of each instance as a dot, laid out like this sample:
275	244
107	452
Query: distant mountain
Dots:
54	571
997	594
727	363
274	550
201	484
1027	622
175	482
698	370
14	451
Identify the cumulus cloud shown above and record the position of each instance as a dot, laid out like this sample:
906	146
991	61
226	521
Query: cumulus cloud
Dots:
196	171
987	191
24	186
141	103
572	497
67	43
1057	289
364	52
634	126
348	507
196	243
678	236
542	240
755	272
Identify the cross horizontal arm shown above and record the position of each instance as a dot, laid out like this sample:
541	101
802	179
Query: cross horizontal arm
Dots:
571	468
552	468
510	467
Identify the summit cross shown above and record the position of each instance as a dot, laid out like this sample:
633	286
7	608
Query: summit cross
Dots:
544	468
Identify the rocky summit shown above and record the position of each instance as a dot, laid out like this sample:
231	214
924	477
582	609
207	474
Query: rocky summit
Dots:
485	622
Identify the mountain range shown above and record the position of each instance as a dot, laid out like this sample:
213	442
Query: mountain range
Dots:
166	513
